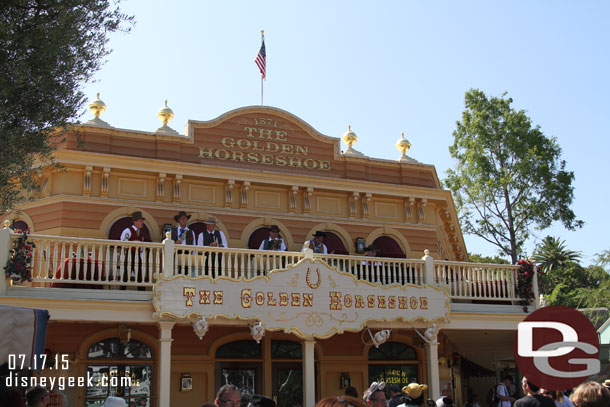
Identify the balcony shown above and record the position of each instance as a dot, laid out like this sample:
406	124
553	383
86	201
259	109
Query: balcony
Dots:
67	267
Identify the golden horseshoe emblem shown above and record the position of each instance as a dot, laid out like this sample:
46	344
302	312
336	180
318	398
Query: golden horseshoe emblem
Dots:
308	281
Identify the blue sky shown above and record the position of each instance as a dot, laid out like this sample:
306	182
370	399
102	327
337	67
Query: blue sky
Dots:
384	67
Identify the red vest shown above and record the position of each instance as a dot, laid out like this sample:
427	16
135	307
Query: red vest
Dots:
133	236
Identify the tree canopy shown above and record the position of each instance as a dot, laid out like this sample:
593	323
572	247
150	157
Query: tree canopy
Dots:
509	178
48	50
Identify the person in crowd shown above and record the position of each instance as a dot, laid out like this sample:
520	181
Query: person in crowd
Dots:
317	243
413	395
133	262
340	401
214	238
558	397
374	396
532	397
591	394
472	401
274	241
181	234
395	395
444	402
228	396
502	392
351	391
37	396
112	401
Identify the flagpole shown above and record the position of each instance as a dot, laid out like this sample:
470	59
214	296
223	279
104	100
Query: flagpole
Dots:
262	41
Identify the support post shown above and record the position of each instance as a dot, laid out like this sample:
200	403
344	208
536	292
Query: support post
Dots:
168	256
165	362
433	373
5	252
309	374
536	303
428	268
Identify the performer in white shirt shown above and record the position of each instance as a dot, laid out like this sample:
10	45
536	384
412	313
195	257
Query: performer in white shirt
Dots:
274	241
181	234
317	243
212	237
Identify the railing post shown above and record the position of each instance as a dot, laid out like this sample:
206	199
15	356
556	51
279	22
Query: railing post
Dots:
5	252
536	304
428	268
168	256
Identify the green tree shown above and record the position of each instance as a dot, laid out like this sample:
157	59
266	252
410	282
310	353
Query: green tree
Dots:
477	258
48	50
552	253
509	177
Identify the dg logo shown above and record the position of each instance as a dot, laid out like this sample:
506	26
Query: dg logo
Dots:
557	348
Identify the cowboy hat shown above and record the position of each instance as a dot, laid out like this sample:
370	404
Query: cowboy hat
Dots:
180	214
210	221
137	215
115	402
319	234
274	228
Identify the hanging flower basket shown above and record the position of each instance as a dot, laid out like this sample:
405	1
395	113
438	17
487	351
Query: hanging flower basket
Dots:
525	277
19	265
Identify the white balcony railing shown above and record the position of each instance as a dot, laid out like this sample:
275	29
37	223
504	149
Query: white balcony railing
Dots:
65	262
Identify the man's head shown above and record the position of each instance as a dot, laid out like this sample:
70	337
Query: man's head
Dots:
182	218
394	390
210	224
138	219
507	380
529	387
274	231
319	237
228	396
37	396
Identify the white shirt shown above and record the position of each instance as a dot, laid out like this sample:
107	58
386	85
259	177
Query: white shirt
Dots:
262	246
305	246
223	239
501	390
127	233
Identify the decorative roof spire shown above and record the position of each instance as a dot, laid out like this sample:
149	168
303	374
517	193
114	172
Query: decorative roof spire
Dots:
165	114
97	107
403	145
350	138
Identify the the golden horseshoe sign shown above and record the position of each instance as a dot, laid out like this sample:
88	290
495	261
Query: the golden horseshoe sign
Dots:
308	281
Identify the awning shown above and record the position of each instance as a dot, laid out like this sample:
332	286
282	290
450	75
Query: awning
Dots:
24	332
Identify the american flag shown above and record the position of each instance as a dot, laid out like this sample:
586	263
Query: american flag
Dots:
261	58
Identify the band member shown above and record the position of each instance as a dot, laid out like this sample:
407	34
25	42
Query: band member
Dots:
214	238
317	243
274	242
135	233
181	233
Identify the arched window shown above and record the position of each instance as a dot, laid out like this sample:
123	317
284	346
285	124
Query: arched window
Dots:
122	224
197	227
393	363
388	247
257	237
335	244
120	368
20	225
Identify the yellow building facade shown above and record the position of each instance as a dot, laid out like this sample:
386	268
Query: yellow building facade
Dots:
249	169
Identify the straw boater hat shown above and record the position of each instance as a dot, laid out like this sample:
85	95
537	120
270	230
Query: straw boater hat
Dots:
210	221
319	233
180	214
370	248
137	215
414	390
607	384
115	402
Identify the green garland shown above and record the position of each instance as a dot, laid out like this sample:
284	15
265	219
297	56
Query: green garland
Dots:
19	265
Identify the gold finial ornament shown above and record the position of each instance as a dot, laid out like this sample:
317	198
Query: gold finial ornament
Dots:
349	137
165	114
403	145
97	107
262	31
